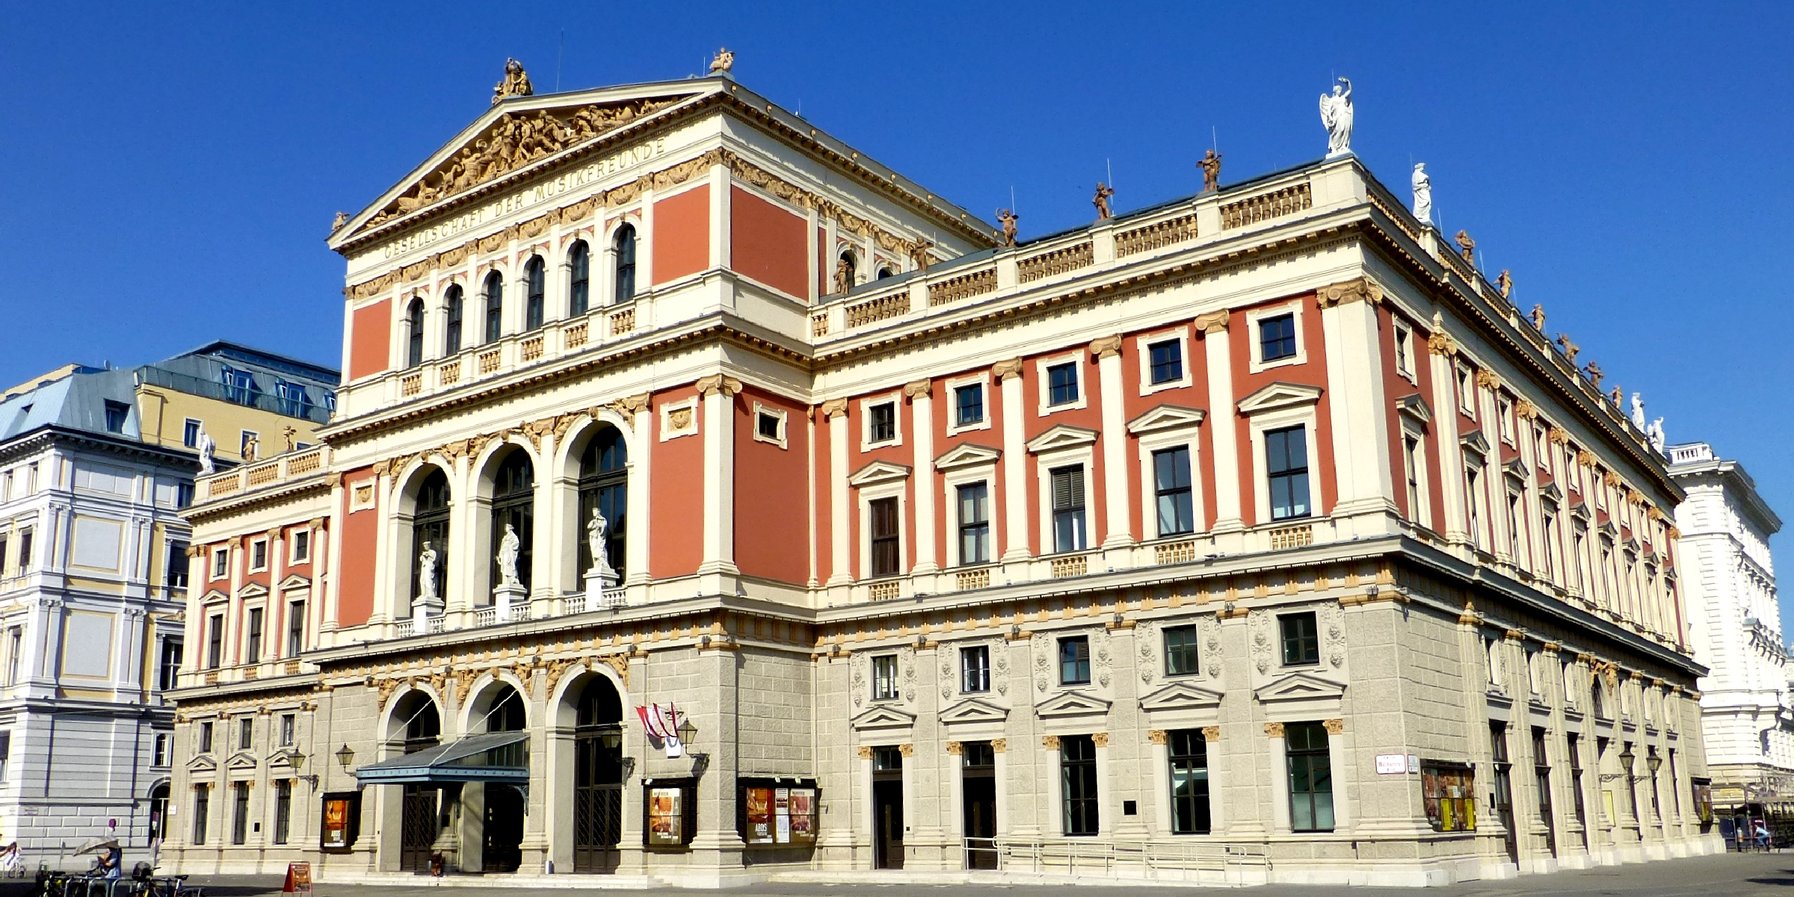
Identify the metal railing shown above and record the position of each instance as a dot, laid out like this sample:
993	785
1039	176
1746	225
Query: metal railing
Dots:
1158	858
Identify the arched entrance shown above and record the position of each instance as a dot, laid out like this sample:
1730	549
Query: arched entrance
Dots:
158	814
502	832
597	775
418	723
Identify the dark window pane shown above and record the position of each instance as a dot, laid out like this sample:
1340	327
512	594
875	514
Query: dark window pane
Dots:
885	545
1277	337
1062	383
1074	660
1165	362
1301	639
968	404
1171	479
1180	650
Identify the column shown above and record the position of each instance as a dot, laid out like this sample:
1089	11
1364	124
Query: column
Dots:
1015	461
718	392
274	643
1221	421
641	453
1118	525
1442	351
1357	407
332	582
839	531
922	438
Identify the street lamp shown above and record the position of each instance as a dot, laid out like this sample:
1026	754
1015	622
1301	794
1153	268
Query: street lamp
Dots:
687	731
345	756
296	760
1654	762
1627	758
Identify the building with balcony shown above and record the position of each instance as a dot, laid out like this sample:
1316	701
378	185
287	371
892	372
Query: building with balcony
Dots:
1735	628
96	466
708	502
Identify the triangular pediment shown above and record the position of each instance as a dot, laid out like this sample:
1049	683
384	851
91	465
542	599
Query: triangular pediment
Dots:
879	472
1515	469
1280	395
1166	417
1071	703
1063	436
202	763
1300	687
253	590
974	710
520	136
281	759
1550	492
240	760
294	582
967	455
1416	409
882	716
1475	443
1180	696
212	595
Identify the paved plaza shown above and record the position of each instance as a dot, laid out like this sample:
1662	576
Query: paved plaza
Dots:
1730	875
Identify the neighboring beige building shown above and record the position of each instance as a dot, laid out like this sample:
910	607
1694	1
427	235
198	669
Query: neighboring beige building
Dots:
1250	537
96	466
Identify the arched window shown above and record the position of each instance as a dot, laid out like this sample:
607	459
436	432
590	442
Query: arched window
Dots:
535	273
885	271
507	712
597	776
430	523
414	338
579	279
513	503
451	336
604	486
624	246
847	271
495	306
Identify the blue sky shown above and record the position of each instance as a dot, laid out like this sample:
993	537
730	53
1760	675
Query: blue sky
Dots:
170	172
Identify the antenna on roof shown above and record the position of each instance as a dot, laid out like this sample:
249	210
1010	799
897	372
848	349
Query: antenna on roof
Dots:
1214	139
1012	198
1111	171
559	54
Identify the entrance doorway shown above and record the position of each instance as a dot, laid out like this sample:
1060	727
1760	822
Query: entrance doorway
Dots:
597	777
1503	796
887	808
978	790
502	834
418	823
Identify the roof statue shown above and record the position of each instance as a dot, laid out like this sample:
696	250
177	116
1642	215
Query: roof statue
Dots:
723	62
1654	434
515	83
1211	171
1466	246
341	219
1336	115
1505	283
1008	218
252	448
1617	396
1563	342
1638	415
918	254
843	274
1595	373
1101	201
1423	194
288	433
1538	317
206	447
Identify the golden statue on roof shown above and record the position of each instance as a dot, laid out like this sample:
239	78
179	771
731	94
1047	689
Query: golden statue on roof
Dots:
723	61
515	83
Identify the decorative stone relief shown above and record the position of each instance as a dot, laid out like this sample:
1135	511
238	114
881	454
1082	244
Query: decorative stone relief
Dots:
946	677
1104	663
1147	638
857	678
907	659
1000	666
1332	620
1043	663
1210	628
1258	624
1156	736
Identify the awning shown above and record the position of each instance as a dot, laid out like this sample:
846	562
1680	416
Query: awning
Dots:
494	757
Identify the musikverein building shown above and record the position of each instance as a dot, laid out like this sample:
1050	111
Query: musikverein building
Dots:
95	467
1252	536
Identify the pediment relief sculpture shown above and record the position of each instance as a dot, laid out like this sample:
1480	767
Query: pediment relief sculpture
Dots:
516	139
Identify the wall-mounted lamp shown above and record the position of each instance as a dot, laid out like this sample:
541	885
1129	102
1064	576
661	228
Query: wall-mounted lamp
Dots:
345	756
296	760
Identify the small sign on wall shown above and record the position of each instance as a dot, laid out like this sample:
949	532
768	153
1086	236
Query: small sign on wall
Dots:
1392	764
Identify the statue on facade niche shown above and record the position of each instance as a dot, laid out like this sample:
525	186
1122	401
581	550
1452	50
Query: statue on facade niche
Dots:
1423	194
515	83
1210	164
1570	348
1336	115
1505	283
206	447
1101	201
918	254
1654	435
1595	373
1538	317
426	572
723	62
252	448
1638	415
1008	218
595	528
509	548
1466	246
843	275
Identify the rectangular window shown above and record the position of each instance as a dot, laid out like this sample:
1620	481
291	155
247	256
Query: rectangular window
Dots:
882	514
1404	351
1472	502
768	426
1062	383
884	677
974	523
1068	508
245	733
190	433
15	643
169	665
1180	651
1286	469
205	737
5	753
248	445
1074	660
1310	778
881	422
239	815
293	400
258	554
159	753
1165	361
1301	639
214	641
1277	337
202	810
974	669
183	494
3	547
968	404
25	556
283	809
295	628
300	541
252	637
1171	485
288	726
220	563
1466	391
1448	791
116	414
1541	768
1077	769
1411	451
1189	782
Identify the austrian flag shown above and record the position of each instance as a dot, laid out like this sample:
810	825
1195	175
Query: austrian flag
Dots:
662	724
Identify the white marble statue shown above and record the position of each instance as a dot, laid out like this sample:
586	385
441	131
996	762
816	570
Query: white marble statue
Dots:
426	573
1336	114
1423	194
1638	418
595	528
508	549
1654	435
206	448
